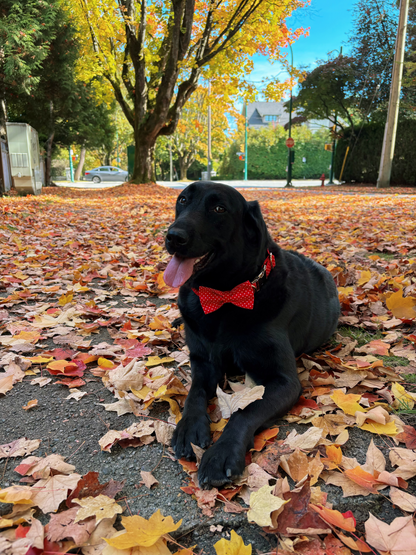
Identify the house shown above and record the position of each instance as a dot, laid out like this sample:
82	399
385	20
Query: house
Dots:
262	114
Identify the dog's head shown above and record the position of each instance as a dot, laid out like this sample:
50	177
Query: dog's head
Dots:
217	237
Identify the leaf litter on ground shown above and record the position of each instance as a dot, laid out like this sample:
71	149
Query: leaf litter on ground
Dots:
74	263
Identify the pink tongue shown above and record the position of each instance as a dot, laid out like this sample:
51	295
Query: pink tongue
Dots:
178	271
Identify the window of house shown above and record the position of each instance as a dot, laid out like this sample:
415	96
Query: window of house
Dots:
270	118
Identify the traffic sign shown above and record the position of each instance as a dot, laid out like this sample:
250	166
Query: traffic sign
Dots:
290	143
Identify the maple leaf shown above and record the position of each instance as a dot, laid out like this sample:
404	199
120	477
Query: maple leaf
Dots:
408	436
401	307
41	468
100	506
49	493
19	447
397	538
31	404
262	504
234	546
347	402
142	532
403	500
17	494
335	518
148	479
231	403
64	525
296	465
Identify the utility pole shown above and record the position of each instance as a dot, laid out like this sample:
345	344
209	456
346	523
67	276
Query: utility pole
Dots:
209	132
289	156
245	143
334	144
390	129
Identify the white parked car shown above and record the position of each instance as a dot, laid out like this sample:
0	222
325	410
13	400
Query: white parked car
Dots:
106	173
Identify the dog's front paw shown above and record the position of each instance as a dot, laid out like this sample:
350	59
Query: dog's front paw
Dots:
221	464
191	429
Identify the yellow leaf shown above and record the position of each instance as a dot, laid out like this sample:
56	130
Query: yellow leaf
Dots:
347	402
40	359
218	426
155	361
101	507
401	307
262	504
388	429
19	495
30	404
402	399
142	532
364	278
105	363
174	407
235	546
65	299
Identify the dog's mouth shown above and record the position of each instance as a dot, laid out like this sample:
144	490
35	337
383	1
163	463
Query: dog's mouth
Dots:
180	269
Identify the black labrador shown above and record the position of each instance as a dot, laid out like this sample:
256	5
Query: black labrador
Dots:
249	307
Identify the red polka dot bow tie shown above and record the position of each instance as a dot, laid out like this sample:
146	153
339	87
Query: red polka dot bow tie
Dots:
242	295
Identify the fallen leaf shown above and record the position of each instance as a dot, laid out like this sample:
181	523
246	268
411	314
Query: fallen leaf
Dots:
100	506
30	404
234	546
262	504
403	500
63	525
397	538
231	403
19	447
148	479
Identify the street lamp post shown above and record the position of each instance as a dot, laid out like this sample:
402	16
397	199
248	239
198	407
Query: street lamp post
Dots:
289	158
245	144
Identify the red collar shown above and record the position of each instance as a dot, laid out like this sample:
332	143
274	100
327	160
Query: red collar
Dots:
242	295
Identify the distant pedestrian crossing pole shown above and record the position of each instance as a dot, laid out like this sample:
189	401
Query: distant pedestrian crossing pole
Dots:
245	144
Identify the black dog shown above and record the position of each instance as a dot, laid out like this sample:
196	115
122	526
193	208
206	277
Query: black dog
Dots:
282	305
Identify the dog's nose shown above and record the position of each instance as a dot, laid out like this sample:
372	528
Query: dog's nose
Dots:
177	238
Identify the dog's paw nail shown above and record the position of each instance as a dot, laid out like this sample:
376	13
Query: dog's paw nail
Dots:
228	473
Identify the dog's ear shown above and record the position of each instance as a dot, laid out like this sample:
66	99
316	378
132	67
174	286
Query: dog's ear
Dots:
254	224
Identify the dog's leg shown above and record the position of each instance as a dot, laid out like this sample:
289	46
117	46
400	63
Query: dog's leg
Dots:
277	372
194	425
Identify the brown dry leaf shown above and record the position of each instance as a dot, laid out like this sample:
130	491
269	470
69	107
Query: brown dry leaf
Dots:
6	384
101	507
40	467
374	459
231	403
403	500
397	538
49	493
21	495
262	504
122	406
19	447
315	468
41	381
96	542
332	424
305	441
206	500
63	525
30	404
76	394
296	465
124	378
148	479
164	432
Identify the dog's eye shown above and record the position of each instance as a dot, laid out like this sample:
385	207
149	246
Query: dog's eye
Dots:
182	200
219	209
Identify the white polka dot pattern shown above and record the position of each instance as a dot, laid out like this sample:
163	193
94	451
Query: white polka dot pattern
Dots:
212	299
242	295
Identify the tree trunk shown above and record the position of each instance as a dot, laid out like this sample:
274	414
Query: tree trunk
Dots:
144	168
48	159
78	171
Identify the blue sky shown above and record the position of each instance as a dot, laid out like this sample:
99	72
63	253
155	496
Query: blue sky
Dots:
329	22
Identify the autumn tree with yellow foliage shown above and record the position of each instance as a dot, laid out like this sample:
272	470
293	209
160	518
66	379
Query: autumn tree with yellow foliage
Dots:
153	53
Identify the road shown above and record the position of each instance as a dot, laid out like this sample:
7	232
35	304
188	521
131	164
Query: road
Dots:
250	184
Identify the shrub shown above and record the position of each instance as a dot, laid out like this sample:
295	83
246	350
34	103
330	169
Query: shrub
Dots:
363	159
268	155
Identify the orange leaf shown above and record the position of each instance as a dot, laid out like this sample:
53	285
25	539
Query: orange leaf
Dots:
335	518
261	439
348	403
334	454
401	307
362	478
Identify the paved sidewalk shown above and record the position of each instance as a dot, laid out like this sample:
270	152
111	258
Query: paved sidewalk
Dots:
251	183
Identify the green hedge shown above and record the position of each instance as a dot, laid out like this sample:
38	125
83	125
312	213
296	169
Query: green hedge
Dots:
268	154
363	159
